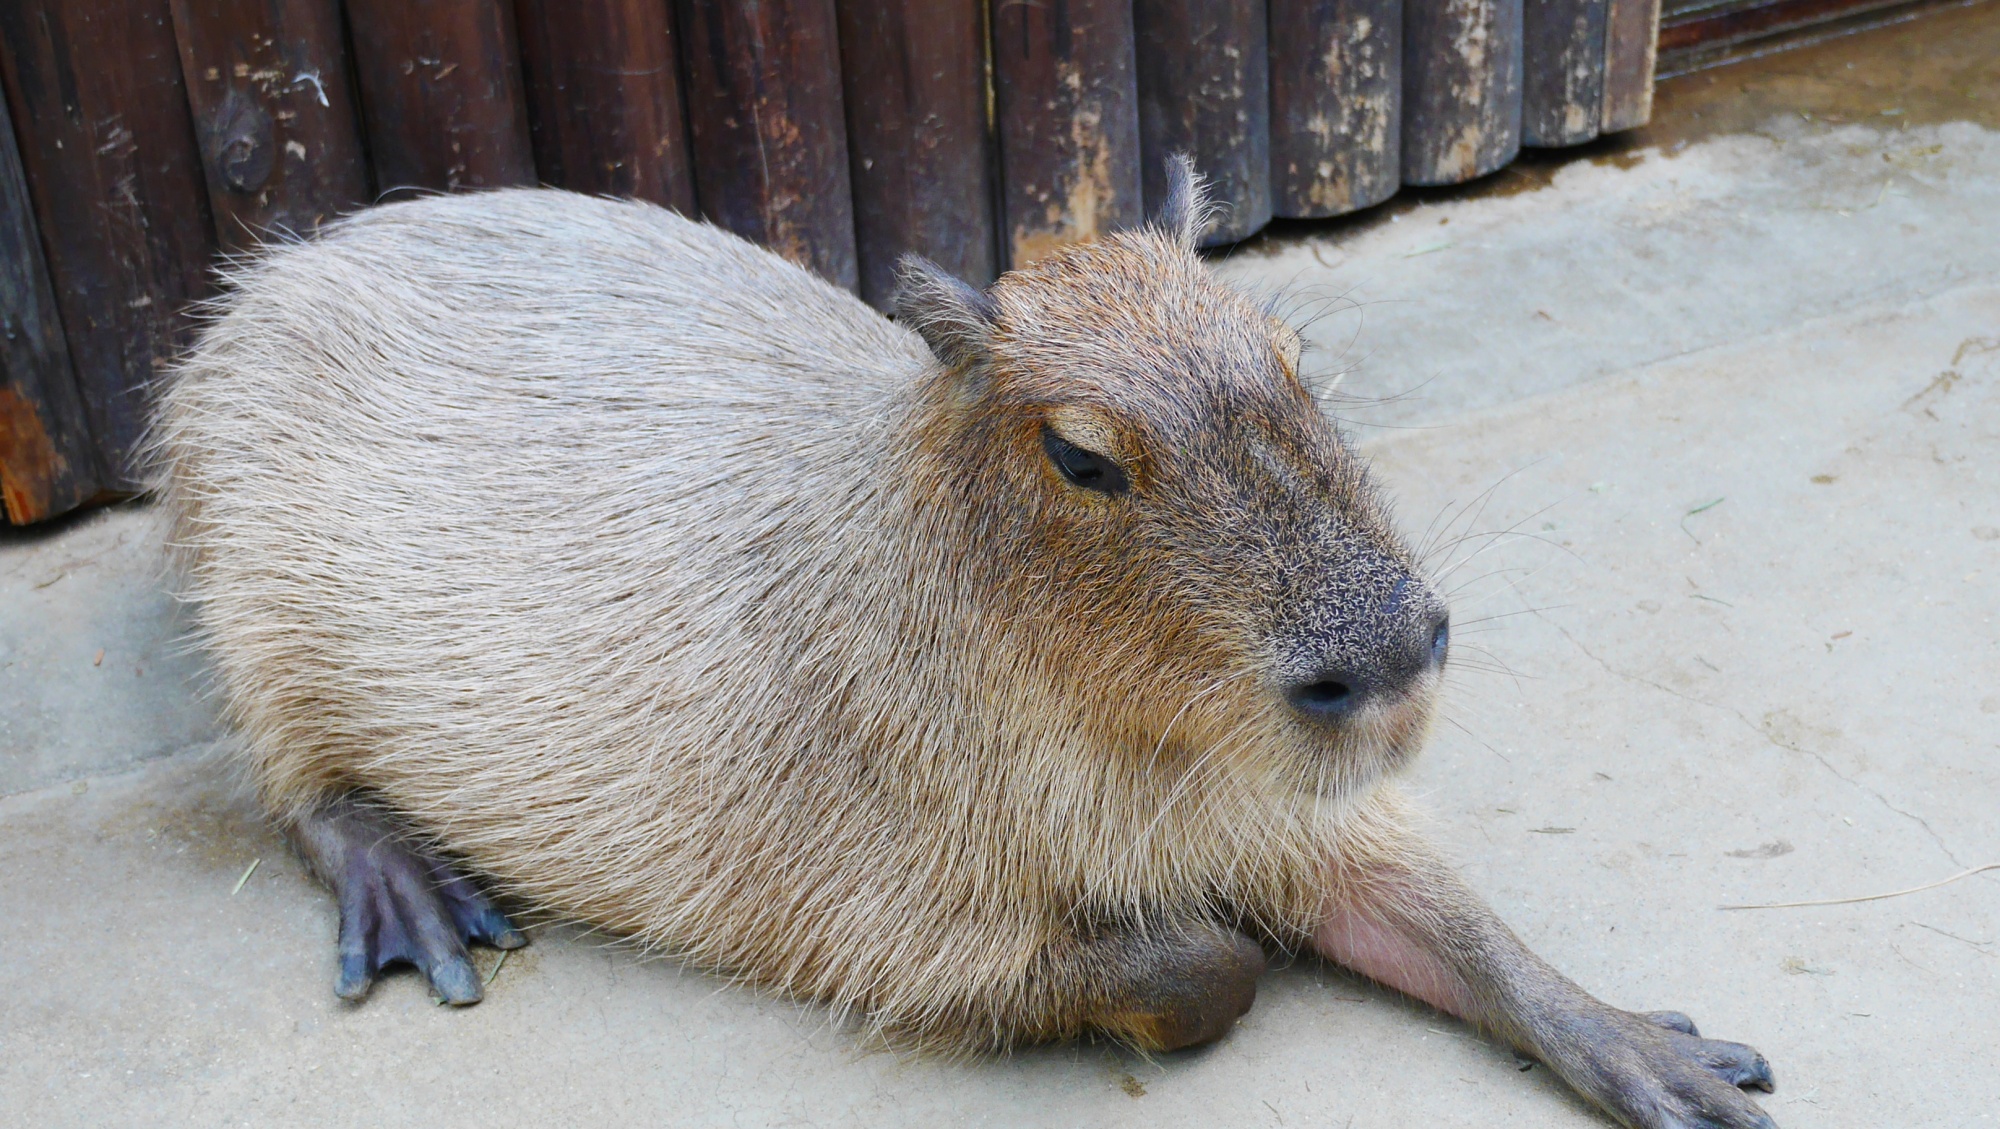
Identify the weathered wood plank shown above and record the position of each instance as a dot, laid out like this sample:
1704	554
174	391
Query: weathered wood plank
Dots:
768	128
1631	36
1068	111
920	156
1461	88
1562	79
604	98
441	94
109	149
1205	90
273	110
1336	105
47	463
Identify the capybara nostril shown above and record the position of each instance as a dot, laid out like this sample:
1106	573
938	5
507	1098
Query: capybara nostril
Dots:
1441	640
1328	696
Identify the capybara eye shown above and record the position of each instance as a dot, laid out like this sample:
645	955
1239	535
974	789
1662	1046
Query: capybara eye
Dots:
1087	469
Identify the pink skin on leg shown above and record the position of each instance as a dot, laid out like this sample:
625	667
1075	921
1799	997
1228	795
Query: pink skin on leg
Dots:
1396	913
1381	953
1412	925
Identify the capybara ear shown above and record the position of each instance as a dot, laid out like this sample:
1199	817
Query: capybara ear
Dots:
953	317
1186	214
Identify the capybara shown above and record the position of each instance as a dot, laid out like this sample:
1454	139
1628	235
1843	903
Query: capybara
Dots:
1020	668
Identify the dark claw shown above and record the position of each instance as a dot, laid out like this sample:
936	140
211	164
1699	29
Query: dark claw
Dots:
1761	1078
472	912
1738	1065
455	981
356	976
1672	1020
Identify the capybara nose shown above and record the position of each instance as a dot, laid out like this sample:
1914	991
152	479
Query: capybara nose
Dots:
1337	689
1329	695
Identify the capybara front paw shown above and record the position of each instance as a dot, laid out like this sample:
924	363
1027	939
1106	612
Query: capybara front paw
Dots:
1184	989
1655	1071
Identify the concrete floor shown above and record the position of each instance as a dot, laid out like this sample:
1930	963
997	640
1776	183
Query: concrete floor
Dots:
1727	404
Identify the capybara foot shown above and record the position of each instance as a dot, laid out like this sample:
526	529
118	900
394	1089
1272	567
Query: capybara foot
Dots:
1179	988
399	904
1653	1070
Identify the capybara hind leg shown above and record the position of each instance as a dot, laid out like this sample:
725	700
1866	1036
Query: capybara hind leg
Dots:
1163	988
399	903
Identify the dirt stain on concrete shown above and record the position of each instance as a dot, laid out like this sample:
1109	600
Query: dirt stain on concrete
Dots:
200	812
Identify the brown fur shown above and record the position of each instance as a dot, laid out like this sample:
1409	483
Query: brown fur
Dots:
878	718
677	592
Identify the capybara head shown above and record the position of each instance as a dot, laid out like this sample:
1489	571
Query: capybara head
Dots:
1176	537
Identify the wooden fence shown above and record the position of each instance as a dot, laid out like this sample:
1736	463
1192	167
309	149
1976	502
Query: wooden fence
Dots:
140	137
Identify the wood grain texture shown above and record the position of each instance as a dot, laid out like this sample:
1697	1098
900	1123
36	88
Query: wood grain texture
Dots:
1631	36
1562	76
109	150
1336	105
604	98
768	127
1067	104
47	463
1461	88
274	112
441	94
1204	90
920	155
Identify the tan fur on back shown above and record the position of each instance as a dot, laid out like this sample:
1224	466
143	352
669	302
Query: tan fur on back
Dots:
661	582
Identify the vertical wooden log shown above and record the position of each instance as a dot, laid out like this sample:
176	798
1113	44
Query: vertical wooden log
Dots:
604	98
441	93
1562	71
1631	35
109	150
1205	90
1336	105
1461	88
47	464
768	127
1068	111
920	158
280	143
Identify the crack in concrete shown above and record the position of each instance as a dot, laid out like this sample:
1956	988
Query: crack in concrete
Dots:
1980	947
1766	734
